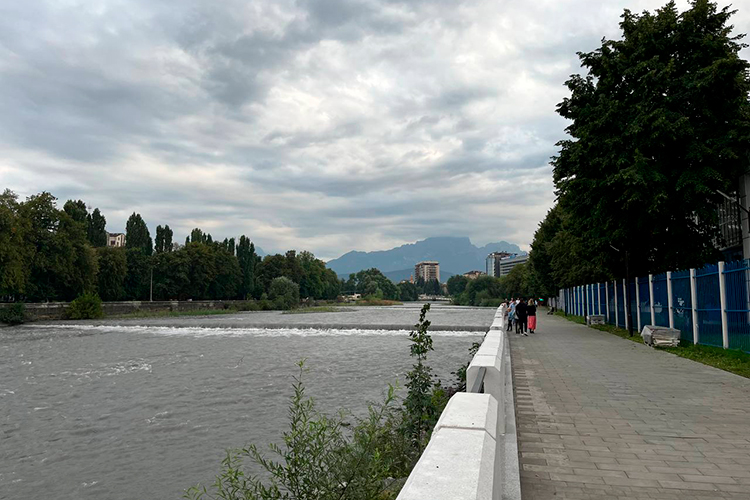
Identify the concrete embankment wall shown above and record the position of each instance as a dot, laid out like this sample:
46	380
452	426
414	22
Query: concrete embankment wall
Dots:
473	452
56	310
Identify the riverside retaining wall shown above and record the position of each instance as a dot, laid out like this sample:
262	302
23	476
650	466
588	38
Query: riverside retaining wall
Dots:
473	452
56	310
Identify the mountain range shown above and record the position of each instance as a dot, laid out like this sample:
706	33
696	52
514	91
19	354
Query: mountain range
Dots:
457	255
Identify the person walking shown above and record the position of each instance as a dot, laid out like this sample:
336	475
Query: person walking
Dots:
521	314
511	315
531	314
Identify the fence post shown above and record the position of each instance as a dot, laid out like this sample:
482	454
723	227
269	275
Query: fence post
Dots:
638	303
617	314
723	300
651	298
628	318
606	302
669	299
694	306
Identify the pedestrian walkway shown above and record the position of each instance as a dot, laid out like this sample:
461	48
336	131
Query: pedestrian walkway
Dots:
602	417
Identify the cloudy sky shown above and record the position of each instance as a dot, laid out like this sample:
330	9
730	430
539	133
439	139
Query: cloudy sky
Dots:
327	125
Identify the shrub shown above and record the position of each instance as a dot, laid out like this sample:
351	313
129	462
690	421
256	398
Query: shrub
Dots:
319	458
14	314
86	306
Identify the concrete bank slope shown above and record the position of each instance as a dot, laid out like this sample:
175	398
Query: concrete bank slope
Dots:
473	451
602	417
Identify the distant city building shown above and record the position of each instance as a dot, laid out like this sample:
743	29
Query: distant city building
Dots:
500	263
115	239
472	275
427	270
492	267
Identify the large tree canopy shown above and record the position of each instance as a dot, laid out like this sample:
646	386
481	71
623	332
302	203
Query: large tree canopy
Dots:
659	124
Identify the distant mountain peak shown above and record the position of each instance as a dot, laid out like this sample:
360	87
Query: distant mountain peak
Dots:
456	254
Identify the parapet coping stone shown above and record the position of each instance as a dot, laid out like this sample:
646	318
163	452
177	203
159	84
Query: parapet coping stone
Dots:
459	461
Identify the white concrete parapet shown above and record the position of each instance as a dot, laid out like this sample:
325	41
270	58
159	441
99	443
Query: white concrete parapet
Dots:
459	461
473	452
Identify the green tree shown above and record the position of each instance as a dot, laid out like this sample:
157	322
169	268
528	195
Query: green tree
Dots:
247	260
113	269
137	235
163	239
77	210
407	291
457	285
97	229
138	277
15	251
659	124
284	293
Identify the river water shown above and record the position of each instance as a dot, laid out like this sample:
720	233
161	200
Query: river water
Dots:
143	409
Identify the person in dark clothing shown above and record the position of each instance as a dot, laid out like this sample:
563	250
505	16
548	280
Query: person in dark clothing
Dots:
522	314
531	314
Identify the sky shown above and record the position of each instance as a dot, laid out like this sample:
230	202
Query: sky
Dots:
321	125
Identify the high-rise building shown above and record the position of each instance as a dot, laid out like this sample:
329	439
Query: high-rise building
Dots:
500	263
427	270
493	263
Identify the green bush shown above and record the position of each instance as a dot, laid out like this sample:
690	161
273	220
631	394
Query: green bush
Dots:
86	306
284	293
14	314
320	458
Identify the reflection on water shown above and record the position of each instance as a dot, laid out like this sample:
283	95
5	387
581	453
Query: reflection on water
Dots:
123	411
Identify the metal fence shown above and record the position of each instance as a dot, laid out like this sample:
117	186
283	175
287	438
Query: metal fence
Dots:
709	306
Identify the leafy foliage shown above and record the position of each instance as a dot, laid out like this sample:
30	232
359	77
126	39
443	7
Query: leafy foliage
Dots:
113	269
13	314
87	306
137	235
659	124
284	293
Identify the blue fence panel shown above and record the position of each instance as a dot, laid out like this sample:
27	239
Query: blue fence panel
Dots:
708	306
602	298
644	301
620	304
661	300
737	279
633	303
611	302
682	306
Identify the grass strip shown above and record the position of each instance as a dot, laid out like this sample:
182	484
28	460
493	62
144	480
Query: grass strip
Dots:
170	314
313	309
730	360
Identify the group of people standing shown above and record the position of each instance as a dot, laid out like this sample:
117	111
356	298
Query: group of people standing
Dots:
520	314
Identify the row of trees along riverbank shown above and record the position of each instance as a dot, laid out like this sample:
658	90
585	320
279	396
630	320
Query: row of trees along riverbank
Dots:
51	254
659	129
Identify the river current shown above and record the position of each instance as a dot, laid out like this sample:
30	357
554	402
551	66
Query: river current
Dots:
143	409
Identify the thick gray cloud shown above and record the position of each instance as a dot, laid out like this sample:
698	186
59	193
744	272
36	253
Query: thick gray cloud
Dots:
326	125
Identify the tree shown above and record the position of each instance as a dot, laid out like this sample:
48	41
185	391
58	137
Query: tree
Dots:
138	279
457	285
113	269
163	240
247	260
77	210
284	293
15	250
137	235
659	124
97	229
407	291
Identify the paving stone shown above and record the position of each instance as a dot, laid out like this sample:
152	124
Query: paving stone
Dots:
600	417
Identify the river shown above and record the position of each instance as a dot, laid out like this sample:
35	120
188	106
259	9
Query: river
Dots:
143	409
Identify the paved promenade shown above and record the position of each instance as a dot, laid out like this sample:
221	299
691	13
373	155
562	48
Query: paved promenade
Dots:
603	417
